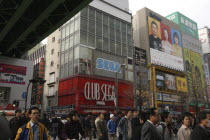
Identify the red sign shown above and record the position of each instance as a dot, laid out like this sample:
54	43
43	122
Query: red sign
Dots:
12	74
87	91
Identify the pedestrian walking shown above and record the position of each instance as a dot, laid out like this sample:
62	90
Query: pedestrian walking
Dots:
142	119
88	126
135	124
184	131
61	126
165	128
73	127
125	126
15	123
55	122
117	120
111	126
149	130
4	129
33	130
101	128
201	131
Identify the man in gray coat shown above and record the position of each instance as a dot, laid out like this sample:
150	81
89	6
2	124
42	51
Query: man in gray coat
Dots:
149	130
101	128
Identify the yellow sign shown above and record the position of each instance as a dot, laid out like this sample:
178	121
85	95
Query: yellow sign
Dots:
181	84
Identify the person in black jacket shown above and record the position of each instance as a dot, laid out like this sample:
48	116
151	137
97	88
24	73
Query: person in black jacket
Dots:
135	124
201	131
73	127
15	123
142	119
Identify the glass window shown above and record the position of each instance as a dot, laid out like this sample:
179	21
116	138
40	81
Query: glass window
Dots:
62	58
130	76
105	31
76	66
123	26
112	46
85	66
71	27
129	29
99	42
111	22
67	30
85	53
124	50
83	24
76	38
117	24
105	44
118	36
62	46
66	70
71	42
52	77
130	51
63	33
91	40
62	72
98	29
51	91
92	14
83	38
84	12
105	19
76	53
53	39
124	38
118	48
129	40
92	26
98	16
112	34
70	69
66	57
76	24
70	55
67	44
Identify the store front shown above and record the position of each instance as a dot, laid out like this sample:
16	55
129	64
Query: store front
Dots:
95	94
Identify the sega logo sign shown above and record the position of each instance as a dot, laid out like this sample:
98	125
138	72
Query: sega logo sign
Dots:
107	65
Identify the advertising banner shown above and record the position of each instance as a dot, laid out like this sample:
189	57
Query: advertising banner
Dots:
140	57
165	44
206	68
12	74
195	75
170	82
160	80
168	97
181	84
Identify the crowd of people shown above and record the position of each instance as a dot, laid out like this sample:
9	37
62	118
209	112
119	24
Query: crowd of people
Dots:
132	125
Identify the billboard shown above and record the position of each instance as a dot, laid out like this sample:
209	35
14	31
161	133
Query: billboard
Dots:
168	97
12	74
170	82
194	69
186	24
165	44
160	80
181	84
140	57
206	58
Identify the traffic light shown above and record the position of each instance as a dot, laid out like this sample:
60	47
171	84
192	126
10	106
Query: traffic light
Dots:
15	104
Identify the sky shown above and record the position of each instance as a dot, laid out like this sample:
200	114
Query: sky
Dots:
197	10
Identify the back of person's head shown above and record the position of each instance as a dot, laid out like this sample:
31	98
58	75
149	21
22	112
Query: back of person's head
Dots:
201	116
33	108
119	113
164	115
143	116
63	117
18	111
72	113
150	112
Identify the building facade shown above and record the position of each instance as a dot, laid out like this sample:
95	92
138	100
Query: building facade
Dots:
204	37
94	44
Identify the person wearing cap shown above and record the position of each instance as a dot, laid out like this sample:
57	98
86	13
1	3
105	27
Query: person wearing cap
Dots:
111	127
15	123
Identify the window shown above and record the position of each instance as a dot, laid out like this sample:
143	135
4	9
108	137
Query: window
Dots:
76	38
99	42
71	41
62	72
112	34
98	16
124	50
76	25
66	57
84	24
130	51
84	12
92	26
52	77
105	20
63	33
105	44
62	46
112	46
67	30
71	27
66	70
52	51
105	31
129	41
123	26
117	24
70	55
129	29
118	48
85	53
91	40
62	58
52	63
85	66
83	38
53	39
67	44
111	22
70	69
118	36
76	66
98	29
92	14
51	91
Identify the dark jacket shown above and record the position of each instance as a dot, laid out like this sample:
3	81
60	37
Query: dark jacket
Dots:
15	124
149	132
123	128
72	129
102	129
200	133
111	126
135	124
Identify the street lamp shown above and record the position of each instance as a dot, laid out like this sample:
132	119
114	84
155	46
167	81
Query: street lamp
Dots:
116	86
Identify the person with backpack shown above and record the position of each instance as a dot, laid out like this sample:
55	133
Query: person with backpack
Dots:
164	127
111	126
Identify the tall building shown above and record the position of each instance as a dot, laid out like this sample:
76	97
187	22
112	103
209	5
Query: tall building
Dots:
94	47
193	59
204	37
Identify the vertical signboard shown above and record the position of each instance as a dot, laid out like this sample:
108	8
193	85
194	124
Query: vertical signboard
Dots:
186	24
165	44
140	57
206	68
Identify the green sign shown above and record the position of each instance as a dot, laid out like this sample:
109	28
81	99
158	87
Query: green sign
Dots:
186	25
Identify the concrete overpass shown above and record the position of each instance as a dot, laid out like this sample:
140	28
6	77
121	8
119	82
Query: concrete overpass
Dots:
25	23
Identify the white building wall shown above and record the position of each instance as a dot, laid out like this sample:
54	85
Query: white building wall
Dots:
18	89
55	57
111	10
122	4
204	38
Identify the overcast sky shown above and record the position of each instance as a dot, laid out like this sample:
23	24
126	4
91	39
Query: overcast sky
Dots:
197	10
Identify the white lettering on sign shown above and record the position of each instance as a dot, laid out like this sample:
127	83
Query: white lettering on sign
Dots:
93	91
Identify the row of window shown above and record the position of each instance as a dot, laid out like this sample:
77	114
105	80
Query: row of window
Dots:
37	54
